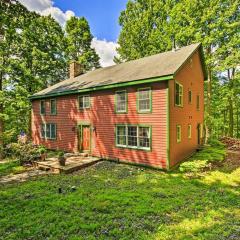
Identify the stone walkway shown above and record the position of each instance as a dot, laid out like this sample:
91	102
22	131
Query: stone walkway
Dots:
22	177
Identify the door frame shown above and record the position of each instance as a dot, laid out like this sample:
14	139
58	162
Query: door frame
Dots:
80	136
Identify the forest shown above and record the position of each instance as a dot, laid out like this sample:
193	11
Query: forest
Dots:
35	52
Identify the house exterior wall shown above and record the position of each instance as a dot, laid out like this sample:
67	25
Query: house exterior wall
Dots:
103	119
192	78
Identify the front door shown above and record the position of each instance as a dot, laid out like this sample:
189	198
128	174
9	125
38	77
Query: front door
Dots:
85	138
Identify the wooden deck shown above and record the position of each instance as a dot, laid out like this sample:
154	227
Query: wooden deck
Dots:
72	164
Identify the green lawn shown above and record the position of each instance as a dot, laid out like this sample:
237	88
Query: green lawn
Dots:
9	167
116	201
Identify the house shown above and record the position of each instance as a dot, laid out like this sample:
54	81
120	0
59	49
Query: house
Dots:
148	111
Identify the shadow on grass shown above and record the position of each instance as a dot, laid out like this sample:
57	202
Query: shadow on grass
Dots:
116	201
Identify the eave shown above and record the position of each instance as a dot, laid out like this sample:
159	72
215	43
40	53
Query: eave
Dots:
105	87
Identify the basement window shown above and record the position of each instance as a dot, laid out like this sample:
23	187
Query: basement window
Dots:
178	94
84	102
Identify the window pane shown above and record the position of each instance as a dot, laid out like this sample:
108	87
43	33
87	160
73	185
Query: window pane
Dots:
42	107
198	102
121	101
53	106
48	130
132	136
86	102
189	131
178	133
144	99
43	130
53	131
190	96
121	135
144	137
81	103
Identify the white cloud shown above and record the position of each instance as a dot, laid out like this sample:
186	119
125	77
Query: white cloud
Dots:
45	7
106	51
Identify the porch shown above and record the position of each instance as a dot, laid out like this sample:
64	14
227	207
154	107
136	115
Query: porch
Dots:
73	163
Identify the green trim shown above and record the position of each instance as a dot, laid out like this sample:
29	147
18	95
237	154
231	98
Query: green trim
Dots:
115	102
43	114
82	109
110	86
80	135
180	127
133	125
148	111
168	127
55	113
175	83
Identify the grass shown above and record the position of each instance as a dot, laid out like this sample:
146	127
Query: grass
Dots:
11	166
116	201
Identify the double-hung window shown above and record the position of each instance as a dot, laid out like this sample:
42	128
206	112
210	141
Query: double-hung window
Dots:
49	131
121	101
42	107
178	94
198	102
131	136
53	106
179	133
84	102
144	100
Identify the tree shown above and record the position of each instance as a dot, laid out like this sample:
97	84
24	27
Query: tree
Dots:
79	40
154	26
33	56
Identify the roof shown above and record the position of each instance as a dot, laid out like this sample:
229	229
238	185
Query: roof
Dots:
158	67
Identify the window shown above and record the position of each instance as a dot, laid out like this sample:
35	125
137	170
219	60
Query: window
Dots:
179	133
189	96
138	137
48	131
178	94
84	102
189	131
53	106
144	100
198	102
121	136
121	102
42	107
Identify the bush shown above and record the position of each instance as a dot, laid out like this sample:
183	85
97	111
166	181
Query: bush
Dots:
205	158
214	142
26	153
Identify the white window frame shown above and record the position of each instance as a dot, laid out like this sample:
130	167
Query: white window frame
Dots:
117	101
84	101
149	99
44	125
126	136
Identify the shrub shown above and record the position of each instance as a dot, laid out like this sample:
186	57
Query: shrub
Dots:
205	158
214	142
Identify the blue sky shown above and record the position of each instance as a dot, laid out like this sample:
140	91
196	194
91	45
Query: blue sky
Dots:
102	15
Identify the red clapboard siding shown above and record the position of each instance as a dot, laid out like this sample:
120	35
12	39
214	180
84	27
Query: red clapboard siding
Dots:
191	77
103	118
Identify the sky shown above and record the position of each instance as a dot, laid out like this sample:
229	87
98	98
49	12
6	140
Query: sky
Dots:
102	16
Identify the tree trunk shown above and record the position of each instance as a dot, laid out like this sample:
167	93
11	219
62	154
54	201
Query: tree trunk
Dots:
1	112
231	117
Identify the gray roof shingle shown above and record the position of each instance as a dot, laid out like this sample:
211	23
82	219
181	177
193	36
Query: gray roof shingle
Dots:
163	64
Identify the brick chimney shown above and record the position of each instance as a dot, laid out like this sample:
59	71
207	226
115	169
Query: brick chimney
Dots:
75	70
